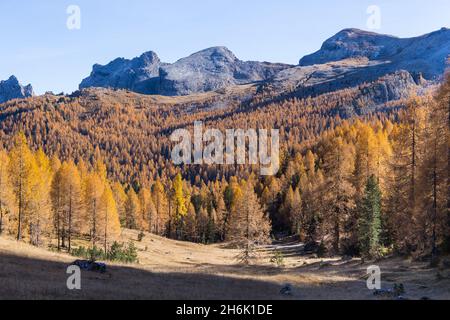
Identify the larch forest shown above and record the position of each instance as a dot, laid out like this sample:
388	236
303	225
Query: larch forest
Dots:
367	186
115	188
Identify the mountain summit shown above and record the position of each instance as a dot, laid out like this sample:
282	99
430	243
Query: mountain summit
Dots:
351	43
425	54
125	74
212	69
206	70
12	89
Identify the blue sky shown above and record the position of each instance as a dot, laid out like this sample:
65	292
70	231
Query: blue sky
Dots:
38	48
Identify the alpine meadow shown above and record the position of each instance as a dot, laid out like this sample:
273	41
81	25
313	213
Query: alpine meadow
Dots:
216	178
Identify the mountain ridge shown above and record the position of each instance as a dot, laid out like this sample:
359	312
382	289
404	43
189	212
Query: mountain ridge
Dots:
206	70
218	67
426	54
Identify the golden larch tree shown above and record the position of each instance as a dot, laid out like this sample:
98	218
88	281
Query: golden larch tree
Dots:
21	170
109	222
40	205
6	196
93	190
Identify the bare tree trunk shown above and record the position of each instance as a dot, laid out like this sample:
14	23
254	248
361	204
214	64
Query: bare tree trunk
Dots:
63	232
337	234
21	200
94	223
1	217
448	165
58	217
70	221
58	228
19	225
413	164
434	216
247	237
106	229
170	219
38	232
150	222
157	222
1	210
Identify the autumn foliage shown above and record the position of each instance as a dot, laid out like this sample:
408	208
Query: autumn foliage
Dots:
374	183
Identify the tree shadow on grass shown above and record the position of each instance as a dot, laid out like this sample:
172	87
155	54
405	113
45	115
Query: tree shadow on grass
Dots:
27	278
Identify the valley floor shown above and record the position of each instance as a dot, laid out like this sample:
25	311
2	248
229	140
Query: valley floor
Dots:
176	270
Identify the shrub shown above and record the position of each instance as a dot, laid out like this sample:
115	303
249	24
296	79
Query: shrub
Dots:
79	252
399	289
384	251
118	253
92	254
131	253
321	250
115	252
278	258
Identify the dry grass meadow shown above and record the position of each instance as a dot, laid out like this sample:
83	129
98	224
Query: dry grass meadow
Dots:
176	270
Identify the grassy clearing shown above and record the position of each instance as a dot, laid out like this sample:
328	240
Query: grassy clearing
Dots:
170	269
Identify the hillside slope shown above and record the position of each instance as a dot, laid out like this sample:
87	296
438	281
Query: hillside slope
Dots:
133	130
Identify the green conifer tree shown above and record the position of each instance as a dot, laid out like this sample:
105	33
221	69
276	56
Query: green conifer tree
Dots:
370	219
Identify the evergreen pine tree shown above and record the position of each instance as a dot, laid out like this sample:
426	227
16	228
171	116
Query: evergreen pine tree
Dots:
370	219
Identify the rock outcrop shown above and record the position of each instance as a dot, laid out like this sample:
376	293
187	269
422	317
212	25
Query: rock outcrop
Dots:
12	89
122	73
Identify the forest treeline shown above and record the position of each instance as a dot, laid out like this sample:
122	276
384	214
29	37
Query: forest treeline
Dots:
364	186
132	131
49	203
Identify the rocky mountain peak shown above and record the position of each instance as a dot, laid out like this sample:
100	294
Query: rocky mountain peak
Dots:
206	70
214	54
12	89
426	54
350	43
123	73
150	57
